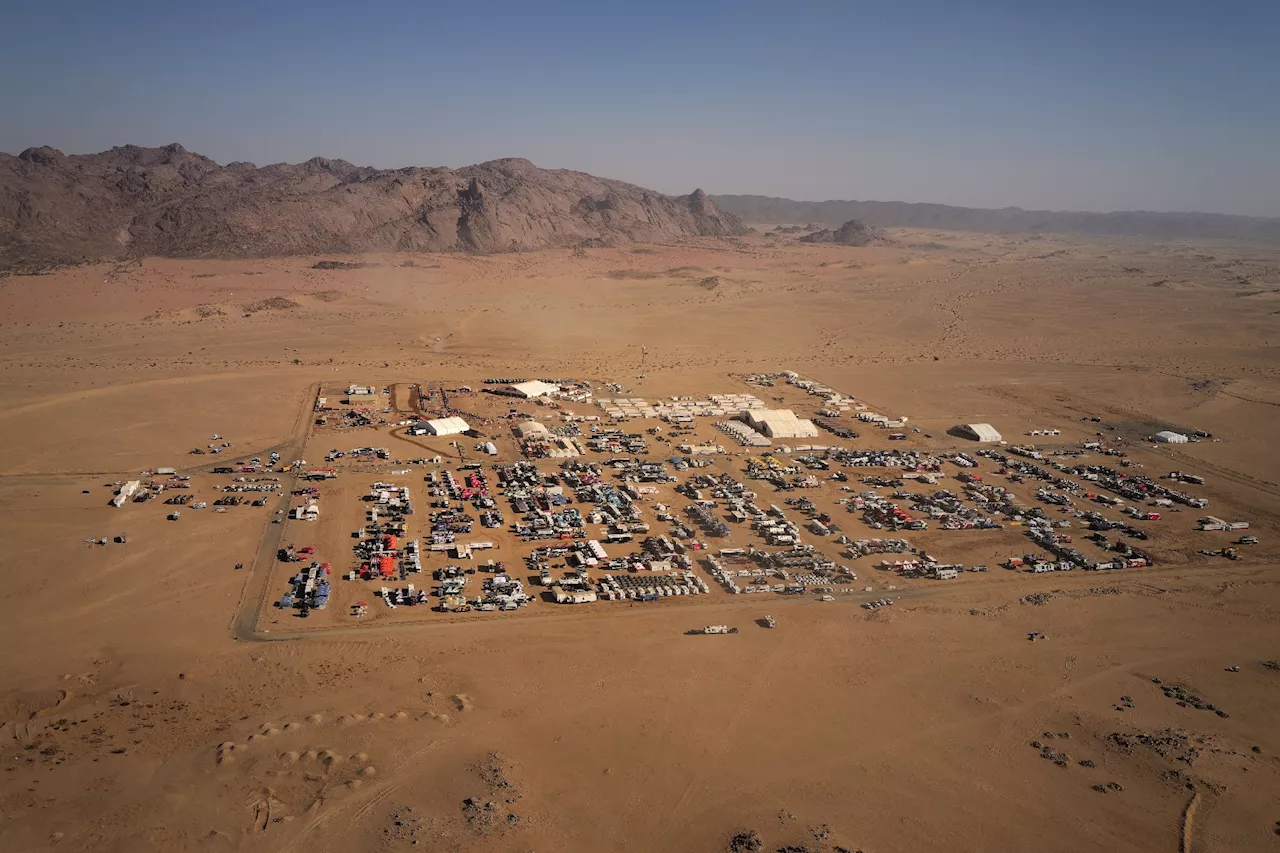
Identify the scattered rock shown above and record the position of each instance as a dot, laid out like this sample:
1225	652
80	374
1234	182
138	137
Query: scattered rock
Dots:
1185	698
341	265
271	303
746	842
1169	743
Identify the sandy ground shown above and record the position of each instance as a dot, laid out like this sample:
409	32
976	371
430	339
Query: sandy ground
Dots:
149	703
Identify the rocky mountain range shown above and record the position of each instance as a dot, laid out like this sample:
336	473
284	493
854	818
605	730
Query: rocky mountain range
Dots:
132	201
897	214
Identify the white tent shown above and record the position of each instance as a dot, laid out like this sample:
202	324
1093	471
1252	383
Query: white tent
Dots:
1168	436
531	429
447	426
778	423
529	390
976	432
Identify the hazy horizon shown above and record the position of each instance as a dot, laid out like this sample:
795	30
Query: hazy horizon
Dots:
1165	107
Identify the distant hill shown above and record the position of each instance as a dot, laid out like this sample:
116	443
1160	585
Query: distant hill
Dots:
898	214
133	201
852	233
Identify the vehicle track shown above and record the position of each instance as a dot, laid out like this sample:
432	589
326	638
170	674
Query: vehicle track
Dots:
245	616
1188	822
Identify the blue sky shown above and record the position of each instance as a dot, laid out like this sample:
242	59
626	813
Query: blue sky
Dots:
1126	104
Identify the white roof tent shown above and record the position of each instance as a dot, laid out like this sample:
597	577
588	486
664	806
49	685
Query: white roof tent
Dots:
529	390
975	432
1168	436
531	429
778	423
447	426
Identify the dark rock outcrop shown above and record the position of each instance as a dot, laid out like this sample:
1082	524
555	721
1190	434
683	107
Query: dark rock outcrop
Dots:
852	233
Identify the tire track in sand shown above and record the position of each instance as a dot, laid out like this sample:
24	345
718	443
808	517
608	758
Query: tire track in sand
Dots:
1188	822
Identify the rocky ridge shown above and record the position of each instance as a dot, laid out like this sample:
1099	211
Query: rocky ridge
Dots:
132	201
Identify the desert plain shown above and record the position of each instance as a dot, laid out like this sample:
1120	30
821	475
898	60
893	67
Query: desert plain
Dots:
154	700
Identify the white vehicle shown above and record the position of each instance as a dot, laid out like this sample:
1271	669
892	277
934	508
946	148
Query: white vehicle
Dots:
770	622
827	598
717	629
